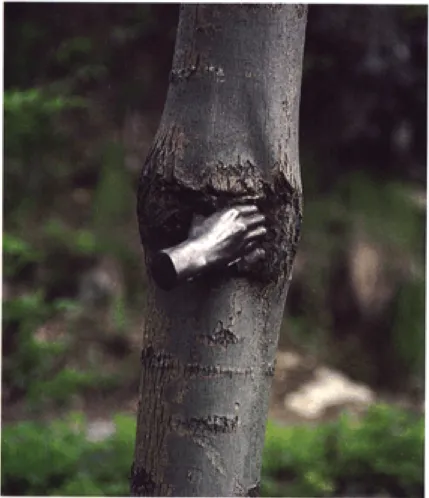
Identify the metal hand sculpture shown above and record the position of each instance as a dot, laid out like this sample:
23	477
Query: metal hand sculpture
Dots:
226	238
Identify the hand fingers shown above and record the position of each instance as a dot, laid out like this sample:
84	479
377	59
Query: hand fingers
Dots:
254	256
254	220
256	234
247	249
250	258
247	209
250	247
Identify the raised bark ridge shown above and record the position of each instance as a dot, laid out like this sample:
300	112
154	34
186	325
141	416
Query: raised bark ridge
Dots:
228	135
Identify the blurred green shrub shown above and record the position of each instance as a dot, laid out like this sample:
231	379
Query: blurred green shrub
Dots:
32	366
24	358
56	459
409	334
114	203
34	144
79	241
17	254
382	453
37	369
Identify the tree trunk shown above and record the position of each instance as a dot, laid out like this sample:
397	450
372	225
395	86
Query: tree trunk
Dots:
228	135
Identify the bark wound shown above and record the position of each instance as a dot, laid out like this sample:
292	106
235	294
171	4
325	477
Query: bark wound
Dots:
167	362
220	336
183	74
167	204
195	370
212	424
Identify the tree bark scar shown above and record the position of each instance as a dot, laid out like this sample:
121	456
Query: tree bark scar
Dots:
161	360
213	455
220	336
166	208
213	424
183	74
141	482
197	370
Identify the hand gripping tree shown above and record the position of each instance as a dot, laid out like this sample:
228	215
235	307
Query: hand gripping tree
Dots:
219	208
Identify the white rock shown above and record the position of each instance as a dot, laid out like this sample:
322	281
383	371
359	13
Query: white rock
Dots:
98	430
329	388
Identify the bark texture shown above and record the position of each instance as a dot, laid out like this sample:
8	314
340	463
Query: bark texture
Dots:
228	134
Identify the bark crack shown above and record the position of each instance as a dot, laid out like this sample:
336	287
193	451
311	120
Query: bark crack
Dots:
195	369
211	424
167	362
182	74
221	336
212	454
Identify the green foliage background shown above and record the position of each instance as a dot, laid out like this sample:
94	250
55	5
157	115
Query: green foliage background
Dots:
327	460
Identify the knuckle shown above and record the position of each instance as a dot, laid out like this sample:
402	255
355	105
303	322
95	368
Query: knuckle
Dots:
241	227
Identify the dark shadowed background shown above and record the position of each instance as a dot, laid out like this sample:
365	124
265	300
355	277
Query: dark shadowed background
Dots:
84	87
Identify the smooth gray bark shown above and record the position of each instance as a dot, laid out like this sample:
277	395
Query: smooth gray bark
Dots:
228	134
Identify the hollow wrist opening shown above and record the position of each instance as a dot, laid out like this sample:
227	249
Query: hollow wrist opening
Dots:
163	271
